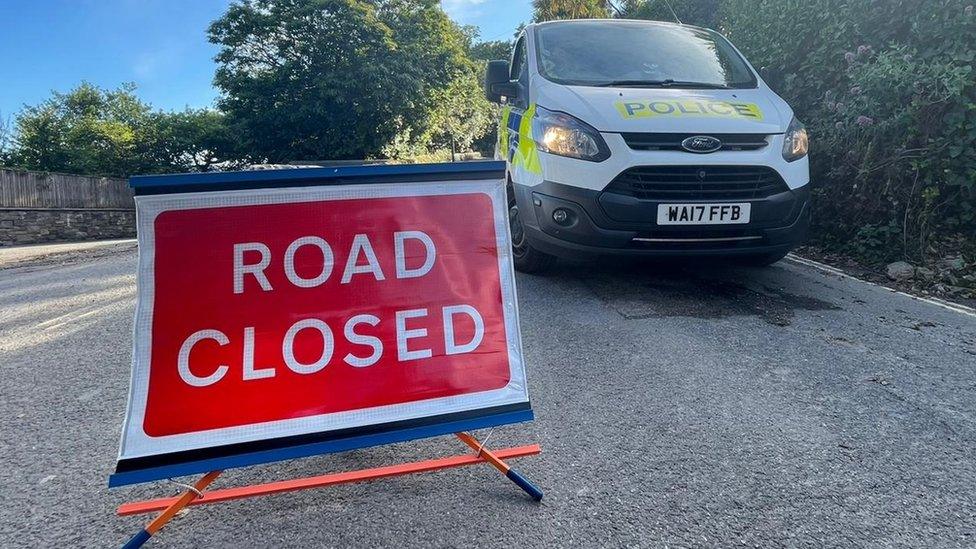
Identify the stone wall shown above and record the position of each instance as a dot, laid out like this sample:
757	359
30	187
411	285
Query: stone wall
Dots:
35	226
38	207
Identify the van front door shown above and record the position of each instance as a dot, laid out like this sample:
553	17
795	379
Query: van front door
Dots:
515	107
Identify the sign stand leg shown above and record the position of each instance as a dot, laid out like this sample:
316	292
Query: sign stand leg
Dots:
191	494
503	467
194	495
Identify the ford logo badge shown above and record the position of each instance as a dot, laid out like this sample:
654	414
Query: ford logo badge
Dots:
701	144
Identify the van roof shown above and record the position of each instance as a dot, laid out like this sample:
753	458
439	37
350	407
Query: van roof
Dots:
608	20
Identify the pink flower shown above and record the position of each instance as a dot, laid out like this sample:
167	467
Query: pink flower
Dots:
864	120
863	49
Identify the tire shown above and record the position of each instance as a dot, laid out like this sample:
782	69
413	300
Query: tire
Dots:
762	260
527	259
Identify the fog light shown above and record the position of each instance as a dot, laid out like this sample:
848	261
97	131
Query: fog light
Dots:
561	216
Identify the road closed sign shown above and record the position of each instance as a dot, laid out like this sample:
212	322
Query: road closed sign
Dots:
288	321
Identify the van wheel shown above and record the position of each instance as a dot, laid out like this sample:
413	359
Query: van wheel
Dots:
527	259
762	260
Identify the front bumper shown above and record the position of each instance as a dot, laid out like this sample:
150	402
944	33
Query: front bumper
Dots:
609	224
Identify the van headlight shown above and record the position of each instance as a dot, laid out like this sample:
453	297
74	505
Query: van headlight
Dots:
564	135
796	143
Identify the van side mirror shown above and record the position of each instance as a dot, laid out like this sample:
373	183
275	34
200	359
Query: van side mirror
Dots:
498	83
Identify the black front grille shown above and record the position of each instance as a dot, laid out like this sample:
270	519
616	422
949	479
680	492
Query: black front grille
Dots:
672	141
677	183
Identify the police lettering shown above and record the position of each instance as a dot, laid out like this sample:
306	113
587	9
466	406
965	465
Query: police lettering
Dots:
687	107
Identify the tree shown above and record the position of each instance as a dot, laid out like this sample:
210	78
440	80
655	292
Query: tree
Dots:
333	79
463	114
92	131
192	140
6	140
482	132
492	50
703	13
548	10
87	131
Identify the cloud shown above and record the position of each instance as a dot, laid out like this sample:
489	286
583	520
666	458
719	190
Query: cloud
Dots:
463	11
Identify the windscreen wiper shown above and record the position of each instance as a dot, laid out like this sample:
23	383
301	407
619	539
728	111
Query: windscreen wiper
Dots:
666	83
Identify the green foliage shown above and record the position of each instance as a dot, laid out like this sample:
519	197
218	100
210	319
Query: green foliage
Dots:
194	140
463	114
702	13
6	139
490	51
459	116
87	130
888	92
548	10
100	132
333	79
484	131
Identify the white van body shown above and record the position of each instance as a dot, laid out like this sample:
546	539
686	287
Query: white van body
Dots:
609	151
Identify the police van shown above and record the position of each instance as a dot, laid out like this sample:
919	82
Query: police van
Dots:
645	138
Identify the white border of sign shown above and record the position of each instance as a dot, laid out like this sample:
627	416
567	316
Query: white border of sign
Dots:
136	443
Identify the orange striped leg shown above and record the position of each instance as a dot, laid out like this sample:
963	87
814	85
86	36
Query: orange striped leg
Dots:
143	536
503	467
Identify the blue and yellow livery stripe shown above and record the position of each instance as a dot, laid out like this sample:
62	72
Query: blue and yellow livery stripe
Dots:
515	141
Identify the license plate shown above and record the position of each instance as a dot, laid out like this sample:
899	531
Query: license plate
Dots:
703	214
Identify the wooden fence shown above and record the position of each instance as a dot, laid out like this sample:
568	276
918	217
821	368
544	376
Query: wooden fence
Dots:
40	190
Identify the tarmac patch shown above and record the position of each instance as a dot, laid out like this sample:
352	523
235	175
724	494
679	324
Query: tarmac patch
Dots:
636	294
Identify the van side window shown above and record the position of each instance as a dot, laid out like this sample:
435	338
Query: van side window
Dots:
520	72
519	60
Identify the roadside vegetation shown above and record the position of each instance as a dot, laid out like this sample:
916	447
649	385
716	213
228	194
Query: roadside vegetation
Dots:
886	87
888	91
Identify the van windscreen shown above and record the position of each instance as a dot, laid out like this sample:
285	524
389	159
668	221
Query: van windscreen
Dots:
638	54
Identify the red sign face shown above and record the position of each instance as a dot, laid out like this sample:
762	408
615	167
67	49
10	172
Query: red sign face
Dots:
280	311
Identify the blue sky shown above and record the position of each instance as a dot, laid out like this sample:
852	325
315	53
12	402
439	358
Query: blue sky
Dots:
160	45
497	19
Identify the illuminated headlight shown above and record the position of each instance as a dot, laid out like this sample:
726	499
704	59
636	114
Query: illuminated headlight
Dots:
564	135
796	143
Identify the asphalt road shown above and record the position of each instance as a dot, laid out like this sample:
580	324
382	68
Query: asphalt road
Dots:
676	408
